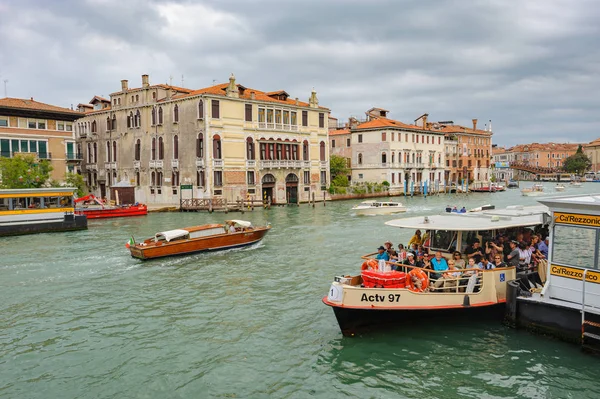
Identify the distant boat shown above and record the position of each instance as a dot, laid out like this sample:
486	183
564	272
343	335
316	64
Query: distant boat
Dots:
533	191
512	184
378	208
575	184
559	187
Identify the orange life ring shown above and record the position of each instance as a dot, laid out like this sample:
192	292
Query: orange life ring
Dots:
370	264
421	275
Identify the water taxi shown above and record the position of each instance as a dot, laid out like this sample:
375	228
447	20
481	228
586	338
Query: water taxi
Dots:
38	210
378	208
208	237
512	184
533	191
94	208
568	305
379	296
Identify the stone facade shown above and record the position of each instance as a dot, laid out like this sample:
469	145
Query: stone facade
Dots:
226	141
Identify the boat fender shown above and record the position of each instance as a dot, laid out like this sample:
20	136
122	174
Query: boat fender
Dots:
370	264
466	301
417	280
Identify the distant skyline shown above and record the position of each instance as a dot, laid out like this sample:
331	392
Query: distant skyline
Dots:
531	66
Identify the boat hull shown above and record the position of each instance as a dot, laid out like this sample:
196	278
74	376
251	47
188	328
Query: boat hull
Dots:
202	244
355	321
134	210
378	211
68	223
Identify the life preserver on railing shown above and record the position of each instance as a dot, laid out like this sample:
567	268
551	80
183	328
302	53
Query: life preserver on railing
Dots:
417	280
370	264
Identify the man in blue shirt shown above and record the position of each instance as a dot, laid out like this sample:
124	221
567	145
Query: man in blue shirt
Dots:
439	263
382	254
543	247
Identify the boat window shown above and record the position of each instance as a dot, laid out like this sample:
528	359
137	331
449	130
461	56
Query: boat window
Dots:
574	246
443	240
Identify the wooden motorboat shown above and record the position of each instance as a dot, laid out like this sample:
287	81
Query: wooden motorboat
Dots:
378	296
208	237
94	208
378	208
533	191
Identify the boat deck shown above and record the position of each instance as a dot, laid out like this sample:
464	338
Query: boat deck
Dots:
538	298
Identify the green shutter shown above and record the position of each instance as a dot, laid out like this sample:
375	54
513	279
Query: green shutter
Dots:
42	149
4	148
24	146
33	145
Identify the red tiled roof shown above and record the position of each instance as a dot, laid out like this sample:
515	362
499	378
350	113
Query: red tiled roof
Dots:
31	104
543	147
381	122
338	132
162	86
462	129
98	98
594	143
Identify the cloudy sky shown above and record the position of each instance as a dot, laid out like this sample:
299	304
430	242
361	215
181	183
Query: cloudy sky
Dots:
530	66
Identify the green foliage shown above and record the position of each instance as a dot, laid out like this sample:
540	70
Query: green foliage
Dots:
493	179
340	181
577	163
75	180
385	183
337	166
24	171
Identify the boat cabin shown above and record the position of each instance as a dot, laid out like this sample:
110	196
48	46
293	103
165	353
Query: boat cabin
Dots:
574	256
456	231
58	198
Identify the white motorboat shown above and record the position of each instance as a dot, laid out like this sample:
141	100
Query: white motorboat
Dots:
559	187
378	208
575	184
533	191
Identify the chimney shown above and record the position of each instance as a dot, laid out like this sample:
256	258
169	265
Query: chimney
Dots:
124	85
252	95
474	124
145	83
425	121
297	103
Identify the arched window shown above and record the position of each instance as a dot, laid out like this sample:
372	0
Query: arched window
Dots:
89	148
175	147
159	179
322	151
200	146
263	151
161	148
153	152
383	157
393	157
108	151
174	178
200	109
115	151
216	147
95	153
137	178
94	128
360	159
176	113
108	123
154	116
160	115
250	149
138	145
130	121
305	150
114	123
153	178
138	118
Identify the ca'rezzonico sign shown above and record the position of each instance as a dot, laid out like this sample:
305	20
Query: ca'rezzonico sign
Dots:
577	219
575	273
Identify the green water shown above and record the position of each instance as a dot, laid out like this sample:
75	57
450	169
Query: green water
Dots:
80	318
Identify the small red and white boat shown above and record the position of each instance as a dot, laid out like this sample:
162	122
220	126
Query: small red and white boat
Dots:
94	208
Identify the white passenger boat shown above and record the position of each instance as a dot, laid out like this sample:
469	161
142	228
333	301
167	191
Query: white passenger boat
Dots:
38	210
377	297
568	306
378	208
533	191
575	184
559	187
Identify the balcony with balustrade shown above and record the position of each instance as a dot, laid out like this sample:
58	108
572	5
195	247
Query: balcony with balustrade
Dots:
217	163
175	163
110	165
200	162
137	164
157	164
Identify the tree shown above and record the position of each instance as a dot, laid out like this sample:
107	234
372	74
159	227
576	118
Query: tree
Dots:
24	171
337	166
75	180
340	181
577	163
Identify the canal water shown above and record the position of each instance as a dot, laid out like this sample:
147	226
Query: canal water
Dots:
80	318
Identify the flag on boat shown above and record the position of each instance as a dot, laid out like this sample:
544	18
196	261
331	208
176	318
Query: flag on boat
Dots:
130	242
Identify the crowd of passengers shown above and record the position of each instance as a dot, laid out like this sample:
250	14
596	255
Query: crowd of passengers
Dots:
522	248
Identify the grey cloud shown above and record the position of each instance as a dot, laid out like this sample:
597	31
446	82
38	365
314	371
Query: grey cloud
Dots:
530	66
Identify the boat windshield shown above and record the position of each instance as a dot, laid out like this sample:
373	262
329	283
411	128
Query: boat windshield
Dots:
574	246
171	235
443	240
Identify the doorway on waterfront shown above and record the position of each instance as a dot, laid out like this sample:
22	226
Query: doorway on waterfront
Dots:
268	184
291	188
102	190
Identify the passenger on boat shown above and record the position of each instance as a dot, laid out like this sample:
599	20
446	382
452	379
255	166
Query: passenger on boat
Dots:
448	208
231	227
439	262
425	240
512	258
382	254
524	256
458	260
454	210
498	261
416	239
486	264
421	259
388	246
543	246
463	210
410	259
494	247
474	251
401	253
448	279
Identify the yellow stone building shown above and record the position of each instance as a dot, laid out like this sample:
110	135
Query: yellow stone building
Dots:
226	141
33	127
